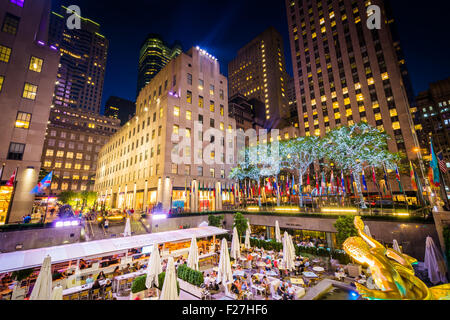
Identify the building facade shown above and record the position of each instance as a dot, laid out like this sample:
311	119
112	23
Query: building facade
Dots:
72	143
259	71
119	108
244	112
28	67
187	100
346	73
82	67
433	110
153	56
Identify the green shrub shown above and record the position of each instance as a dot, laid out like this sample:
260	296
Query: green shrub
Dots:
139	284
189	275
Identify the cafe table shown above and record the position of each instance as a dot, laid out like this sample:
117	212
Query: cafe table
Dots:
81	288
310	274
318	269
260	264
126	277
297	281
239	273
271	273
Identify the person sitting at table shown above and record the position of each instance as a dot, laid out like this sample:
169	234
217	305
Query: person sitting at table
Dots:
235	287
126	269
117	272
281	291
89	279
96	285
290	291
101	276
266	285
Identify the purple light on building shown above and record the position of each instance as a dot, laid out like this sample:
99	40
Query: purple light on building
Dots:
53	48
18	2
41	42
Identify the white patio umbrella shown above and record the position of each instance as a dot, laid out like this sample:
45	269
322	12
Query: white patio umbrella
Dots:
192	261
277	232
127	231
247	239
203	224
288	259
291	245
224	274
43	287
170	290
154	268
235	245
395	246
57	293
434	263
367	230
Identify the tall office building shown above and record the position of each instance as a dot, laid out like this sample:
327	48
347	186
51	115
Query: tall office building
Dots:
346	73
154	55
259	71
433	109
28	67
83	61
187	98
72	143
119	108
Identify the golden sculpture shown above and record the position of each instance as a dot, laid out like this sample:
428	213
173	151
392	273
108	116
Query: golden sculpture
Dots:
392	271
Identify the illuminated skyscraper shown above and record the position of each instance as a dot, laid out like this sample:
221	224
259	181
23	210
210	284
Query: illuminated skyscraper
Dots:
83	61
346	73
154	55
119	108
258	71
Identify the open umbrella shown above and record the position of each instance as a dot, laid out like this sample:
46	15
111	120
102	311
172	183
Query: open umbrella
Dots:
395	246
42	289
203	224
434	263
57	293
277	232
127	231
367	231
235	245
170	290
154	268
224	274
192	261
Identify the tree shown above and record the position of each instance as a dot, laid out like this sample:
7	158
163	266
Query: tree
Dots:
357	147
215	221
298	154
241	223
345	229
67	197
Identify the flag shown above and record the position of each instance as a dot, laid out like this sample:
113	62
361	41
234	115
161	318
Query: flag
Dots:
385	178
364	181
397	176
308	181
317	183
413	177
342	181
353	182
46	182
332	180
442	162
434	165
11	180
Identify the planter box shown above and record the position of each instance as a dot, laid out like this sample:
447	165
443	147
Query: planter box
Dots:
353	270
143	294
194	290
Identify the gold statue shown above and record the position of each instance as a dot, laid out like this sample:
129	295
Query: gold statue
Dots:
392	271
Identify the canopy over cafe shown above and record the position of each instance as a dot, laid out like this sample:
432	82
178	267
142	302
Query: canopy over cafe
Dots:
105	255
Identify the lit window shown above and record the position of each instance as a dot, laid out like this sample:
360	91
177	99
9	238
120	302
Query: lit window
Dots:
29	91
60	154
176	111
188	115
174	168
87	167
175	129
200	102
5	54
68	165
2	79
47	164
23	120
189	97
69	155
58	164
76	177
211	106
79	156
212	172
221	126
77	166
161	112
396	125
36	64
211	89
49	153
188	133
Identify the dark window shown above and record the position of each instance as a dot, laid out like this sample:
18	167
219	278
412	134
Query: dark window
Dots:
10	24
16	151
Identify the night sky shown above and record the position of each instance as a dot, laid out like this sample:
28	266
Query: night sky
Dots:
222	27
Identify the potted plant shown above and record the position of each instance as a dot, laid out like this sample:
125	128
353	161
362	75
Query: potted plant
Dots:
138	288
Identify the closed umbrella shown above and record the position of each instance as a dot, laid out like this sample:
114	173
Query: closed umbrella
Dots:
367	231
291	245
277	232
127	231
42	289
235	245
154	268
224	273
170	290
192	261
247	239
434	263
288	259
57	293
395	246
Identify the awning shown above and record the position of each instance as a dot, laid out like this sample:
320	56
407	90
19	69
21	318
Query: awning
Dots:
19	260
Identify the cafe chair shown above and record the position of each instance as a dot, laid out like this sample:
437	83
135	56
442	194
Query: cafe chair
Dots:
129	283
122	285
108	293
84	295
75	296
274	295
66	297
95	294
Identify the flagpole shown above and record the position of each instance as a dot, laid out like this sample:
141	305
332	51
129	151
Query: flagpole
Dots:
3	169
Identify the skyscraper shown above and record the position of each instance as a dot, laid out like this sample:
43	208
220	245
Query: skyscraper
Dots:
259	71
346	73
28	66
188	98
83	61
154	56
119	108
